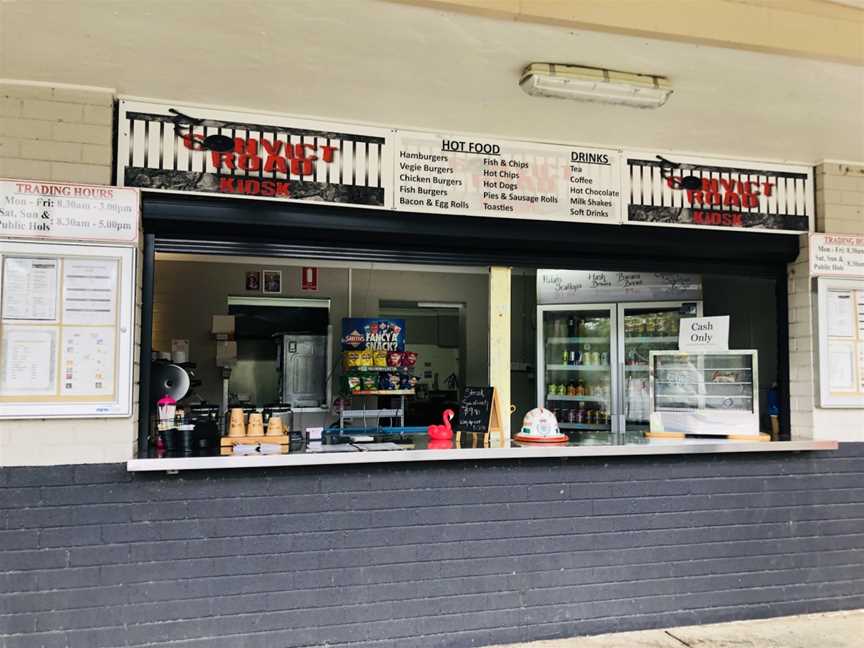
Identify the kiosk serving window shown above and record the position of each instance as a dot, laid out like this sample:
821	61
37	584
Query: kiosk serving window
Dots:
367	360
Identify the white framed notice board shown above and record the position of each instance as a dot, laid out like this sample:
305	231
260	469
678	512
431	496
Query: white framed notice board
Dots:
66	330
840	332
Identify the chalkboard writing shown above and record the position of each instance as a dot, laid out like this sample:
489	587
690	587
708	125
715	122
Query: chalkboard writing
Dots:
475	409
587	286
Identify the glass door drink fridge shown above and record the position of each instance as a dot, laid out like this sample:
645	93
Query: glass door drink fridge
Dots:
576	358
644	327
593	364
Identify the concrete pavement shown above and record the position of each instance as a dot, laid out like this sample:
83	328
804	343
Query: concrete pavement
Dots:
830	630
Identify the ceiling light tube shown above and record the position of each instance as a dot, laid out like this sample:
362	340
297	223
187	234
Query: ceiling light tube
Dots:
595	84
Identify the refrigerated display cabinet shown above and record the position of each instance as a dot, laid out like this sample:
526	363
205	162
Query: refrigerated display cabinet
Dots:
714	394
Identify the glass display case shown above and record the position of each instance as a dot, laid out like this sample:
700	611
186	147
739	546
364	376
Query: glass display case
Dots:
704	393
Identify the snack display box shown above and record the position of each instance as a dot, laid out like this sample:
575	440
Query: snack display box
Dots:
712	394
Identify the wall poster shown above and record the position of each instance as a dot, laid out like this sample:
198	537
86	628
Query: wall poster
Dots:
676	191
840	331
187	149
66	330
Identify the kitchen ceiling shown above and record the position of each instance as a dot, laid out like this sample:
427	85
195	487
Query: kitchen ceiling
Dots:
407	66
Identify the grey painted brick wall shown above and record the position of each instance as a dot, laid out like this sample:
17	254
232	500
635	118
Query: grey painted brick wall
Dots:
441	554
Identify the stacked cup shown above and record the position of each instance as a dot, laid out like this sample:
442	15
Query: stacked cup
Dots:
256	425
235	424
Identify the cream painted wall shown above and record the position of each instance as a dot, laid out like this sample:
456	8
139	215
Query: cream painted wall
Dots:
819	29
61	133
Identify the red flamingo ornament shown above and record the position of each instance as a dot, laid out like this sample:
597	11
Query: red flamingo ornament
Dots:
442	432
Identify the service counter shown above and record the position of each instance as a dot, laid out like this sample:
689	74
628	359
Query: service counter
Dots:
421	454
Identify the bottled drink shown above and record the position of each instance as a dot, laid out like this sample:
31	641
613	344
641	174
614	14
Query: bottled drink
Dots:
580	388
571	326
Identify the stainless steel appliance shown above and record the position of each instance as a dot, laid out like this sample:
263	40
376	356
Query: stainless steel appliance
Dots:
304	366
592	362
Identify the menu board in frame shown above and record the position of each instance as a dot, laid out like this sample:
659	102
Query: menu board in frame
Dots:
66	330
840	334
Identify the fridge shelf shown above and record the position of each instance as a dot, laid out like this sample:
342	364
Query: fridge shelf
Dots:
723	396
585	399
578	340
560	367
648	339
694	368
597	427
672	382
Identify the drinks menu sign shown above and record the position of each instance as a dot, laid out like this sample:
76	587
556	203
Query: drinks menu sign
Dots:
456	174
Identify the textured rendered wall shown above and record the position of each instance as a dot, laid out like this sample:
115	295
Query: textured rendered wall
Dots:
448	554
60	133
839	210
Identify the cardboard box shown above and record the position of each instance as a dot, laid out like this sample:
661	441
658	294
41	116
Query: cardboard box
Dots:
223	325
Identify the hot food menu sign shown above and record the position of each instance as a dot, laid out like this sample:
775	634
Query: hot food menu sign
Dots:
717	194
184	149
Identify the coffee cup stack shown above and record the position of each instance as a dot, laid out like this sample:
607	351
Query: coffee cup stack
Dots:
236	427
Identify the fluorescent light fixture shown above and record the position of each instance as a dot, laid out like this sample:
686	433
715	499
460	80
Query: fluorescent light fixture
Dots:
595	84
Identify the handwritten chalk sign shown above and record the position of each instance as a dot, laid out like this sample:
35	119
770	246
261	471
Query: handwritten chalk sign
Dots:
590	286
480	414
475	409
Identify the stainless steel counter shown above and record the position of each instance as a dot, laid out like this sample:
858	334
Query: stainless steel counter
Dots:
648	447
